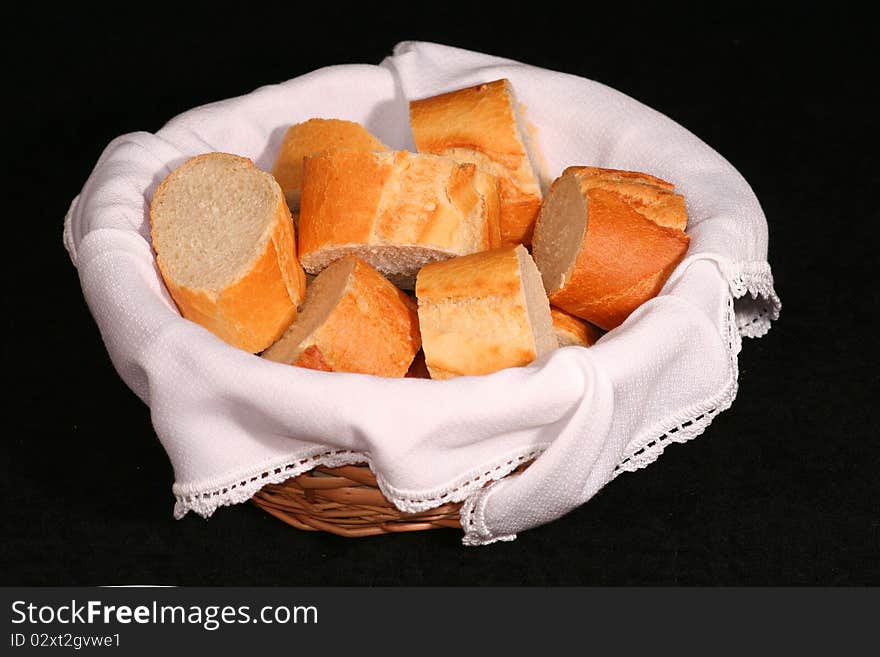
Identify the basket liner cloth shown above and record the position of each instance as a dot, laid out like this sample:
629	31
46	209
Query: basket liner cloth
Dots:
232	422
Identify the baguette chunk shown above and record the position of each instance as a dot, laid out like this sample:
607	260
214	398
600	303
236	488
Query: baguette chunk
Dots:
397	211
483	312
353	320
312	137
225	247
599	257
485	125
572	331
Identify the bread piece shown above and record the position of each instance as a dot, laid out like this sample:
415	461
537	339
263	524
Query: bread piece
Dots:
598	257
644	193
396	210
225	246
353	320
311	137
571	331
484	125
483	312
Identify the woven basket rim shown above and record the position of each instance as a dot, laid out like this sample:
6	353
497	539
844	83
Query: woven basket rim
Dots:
346	501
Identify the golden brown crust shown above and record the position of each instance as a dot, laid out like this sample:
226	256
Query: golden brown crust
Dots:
479	118
472	314
284	242
487	274
624	260
519	210
621	175
571	330
342	191
478	125
312	358
647	194
311	137
372	329
254	311
259	308
396	199
489	189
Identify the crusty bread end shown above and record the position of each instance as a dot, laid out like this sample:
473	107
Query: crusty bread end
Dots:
485	125
311	137
396	210
600	258
225	247
353	320
483	312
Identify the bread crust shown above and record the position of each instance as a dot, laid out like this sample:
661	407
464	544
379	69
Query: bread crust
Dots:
488	187
473	316
372	329
311	137
479	125
647	194
571	330
394	199
623	261
252	312
343	190
312	358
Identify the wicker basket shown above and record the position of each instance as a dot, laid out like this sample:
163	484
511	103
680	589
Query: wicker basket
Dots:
346	501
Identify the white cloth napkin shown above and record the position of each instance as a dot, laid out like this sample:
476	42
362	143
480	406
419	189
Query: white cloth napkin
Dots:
232	422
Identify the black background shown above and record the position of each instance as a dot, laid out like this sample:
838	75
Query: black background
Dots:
779	491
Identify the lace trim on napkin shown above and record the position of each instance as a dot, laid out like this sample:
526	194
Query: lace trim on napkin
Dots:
680	429
755	311
242	489
461	489
747	316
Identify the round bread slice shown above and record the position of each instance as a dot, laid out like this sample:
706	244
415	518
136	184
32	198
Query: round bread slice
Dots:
571	331
599	258
353	320
225	247
311	137
485	125
483	312
395	210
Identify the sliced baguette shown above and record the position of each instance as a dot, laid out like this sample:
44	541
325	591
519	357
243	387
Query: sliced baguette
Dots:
599	258
225	247
644	193
353	320
311	137
483	312
572	331
396	210
484	125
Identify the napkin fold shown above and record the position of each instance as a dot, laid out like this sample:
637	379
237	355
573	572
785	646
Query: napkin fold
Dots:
232	422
